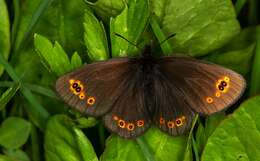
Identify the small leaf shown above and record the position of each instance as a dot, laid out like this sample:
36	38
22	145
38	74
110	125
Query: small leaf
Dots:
14	132
130	24
4	32
73	145
95	38
107	8
84	122
201	26
238	136
8	95
53	56
75	61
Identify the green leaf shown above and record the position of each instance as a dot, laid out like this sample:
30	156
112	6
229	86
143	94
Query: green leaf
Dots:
84	122
75	61
73	145
162	146
200	26
14	132
95	38
130	24
107	8
4	32
237	54
17	154
8	95
53	56
238	136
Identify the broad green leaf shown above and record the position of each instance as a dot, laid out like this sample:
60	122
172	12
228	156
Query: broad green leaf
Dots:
4	32
107	8
200	26
17	154
130	24
238	136
14	132
8	95
6	158
162	146
64	142
53	56
95	38
158	8
75	61
237	54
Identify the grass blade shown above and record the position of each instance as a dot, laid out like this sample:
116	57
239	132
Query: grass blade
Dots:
255	74
8	95
239	5
37	111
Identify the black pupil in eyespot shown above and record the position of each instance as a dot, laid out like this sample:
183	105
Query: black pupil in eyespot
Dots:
220	87
75	85
223	83
121	123
78	89
178	122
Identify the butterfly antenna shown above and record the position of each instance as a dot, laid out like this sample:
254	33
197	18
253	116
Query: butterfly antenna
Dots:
172	35
128	41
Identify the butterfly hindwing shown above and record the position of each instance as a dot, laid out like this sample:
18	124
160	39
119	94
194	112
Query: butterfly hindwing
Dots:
206	88
172	113
94	88
129	116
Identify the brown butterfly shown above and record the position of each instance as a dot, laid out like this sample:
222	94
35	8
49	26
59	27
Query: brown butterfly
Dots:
131	94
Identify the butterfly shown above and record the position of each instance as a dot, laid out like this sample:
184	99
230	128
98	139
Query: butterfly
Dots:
131	94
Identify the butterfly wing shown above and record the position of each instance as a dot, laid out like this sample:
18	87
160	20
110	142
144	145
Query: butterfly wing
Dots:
94	88
172	113
130	116
207	87
184	85
116	90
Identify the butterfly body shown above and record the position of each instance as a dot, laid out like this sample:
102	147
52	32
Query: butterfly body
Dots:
131	94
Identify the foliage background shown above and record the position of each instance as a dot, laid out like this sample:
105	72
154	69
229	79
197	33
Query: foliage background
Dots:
41	40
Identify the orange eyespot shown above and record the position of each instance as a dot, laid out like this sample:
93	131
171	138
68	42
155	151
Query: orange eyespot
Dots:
170	124
209	100
91	100
226	78
115	118
140	123
162	121
130	126
121	123
217	94
179	122
81	96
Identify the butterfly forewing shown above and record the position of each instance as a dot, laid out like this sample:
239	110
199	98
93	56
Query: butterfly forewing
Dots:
206	88
94	88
